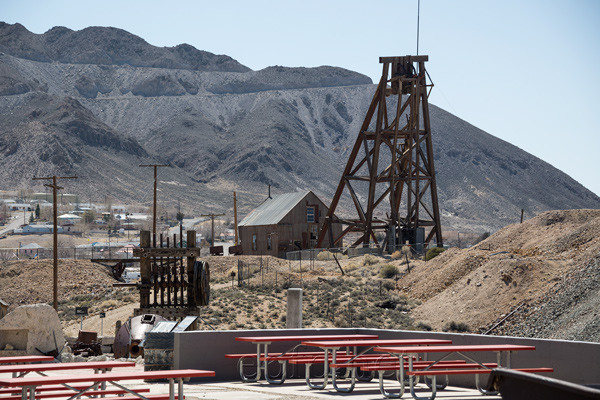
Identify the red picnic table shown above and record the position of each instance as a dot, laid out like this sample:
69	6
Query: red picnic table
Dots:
20	370
24	359
29	384
333	346
449	350
265	341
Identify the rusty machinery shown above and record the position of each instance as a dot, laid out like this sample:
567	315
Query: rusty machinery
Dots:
397	128
173	285
130	335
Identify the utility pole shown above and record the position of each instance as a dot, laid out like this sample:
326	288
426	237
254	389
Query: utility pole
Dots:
235	221
212	226
155	186
55	187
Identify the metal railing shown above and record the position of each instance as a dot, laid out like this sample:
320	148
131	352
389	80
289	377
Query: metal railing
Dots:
73	253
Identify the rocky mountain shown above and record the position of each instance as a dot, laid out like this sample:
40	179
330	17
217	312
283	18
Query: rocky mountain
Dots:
100	101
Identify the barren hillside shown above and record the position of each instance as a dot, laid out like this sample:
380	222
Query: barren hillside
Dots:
547	263
98	102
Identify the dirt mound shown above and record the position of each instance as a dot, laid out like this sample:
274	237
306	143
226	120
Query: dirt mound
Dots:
30	281
515	268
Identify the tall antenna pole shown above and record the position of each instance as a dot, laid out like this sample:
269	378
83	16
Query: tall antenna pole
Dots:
155	187
418	21
55	187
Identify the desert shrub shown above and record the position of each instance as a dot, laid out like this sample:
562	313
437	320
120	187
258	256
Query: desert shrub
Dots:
433	252
396	255
350	267
423	326
388	271
387	285
370	260
453	326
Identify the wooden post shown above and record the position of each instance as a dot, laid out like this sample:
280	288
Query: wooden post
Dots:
522	211
54	187
191	242
145	271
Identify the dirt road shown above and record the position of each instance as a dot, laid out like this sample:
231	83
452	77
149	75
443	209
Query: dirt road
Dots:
94	322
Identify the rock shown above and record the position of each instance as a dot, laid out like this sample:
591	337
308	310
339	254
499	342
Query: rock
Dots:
32	328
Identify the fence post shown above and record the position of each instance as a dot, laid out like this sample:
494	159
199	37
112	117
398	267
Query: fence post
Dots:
145	275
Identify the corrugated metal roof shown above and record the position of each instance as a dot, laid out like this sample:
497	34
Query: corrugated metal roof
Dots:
272	211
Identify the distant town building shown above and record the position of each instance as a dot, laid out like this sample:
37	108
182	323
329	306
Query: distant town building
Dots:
34	250
40	229
283	223
119	209
68	219
20	207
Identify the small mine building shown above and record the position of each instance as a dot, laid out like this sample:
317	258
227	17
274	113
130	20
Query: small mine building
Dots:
284	223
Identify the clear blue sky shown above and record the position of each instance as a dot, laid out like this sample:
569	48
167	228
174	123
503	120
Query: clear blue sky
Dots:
524	71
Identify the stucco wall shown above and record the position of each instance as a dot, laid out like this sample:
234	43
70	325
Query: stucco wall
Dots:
577	362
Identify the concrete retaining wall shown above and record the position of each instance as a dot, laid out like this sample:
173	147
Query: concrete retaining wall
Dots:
577	362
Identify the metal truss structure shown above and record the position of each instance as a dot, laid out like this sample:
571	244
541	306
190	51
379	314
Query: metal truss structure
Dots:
391	165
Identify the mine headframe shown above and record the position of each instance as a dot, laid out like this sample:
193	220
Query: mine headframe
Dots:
390	175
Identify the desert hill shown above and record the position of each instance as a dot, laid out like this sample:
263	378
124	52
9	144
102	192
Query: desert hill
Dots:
224	127
547	270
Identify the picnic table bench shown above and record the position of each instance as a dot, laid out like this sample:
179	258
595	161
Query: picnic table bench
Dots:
25	359
333	345
437	368
28	385
265	341
58	391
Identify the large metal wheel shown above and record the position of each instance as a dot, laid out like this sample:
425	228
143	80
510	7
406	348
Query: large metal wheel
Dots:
201	283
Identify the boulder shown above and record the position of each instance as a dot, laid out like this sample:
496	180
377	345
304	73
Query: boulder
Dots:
32	328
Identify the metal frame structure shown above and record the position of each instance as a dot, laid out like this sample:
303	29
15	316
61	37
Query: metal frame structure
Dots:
179	283
396	128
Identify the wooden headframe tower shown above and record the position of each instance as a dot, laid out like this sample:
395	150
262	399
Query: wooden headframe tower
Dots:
390	175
